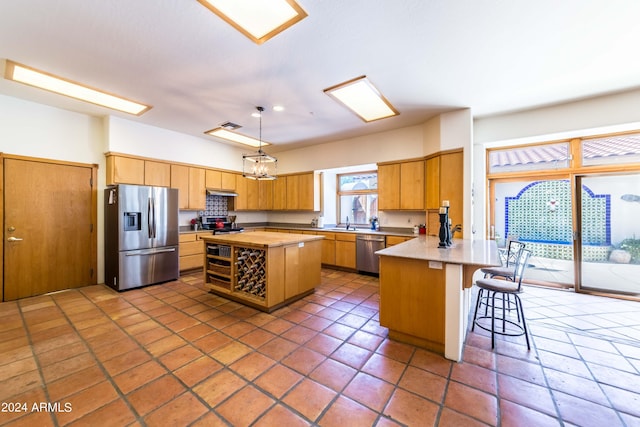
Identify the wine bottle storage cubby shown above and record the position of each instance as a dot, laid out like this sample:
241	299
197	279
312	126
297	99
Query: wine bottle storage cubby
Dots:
251	271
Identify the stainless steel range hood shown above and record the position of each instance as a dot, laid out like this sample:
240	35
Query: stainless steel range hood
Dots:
221	193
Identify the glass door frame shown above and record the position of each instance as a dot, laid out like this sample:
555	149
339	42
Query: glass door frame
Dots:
491	214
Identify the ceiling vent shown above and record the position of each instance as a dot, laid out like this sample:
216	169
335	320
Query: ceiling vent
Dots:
230	126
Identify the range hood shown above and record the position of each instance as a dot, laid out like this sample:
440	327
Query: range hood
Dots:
221	193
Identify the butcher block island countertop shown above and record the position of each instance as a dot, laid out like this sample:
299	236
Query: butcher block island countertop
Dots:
262	269
425	290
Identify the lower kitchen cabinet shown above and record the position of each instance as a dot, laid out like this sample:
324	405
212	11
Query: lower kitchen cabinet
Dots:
346	250
328	248
191	249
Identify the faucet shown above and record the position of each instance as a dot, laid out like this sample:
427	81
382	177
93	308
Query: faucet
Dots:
458	227
347	223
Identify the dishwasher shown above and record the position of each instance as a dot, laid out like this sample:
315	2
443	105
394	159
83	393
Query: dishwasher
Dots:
366	247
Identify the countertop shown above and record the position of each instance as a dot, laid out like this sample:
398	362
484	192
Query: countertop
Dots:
363	230
463	251
261	238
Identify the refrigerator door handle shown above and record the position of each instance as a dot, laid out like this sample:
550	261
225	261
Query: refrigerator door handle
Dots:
151	252
150	220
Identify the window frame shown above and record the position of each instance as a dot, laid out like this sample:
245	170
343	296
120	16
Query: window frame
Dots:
340	193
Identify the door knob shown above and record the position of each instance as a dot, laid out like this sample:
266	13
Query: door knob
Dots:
14	239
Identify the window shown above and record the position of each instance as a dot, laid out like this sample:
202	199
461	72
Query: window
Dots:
357	197
529	158
615	149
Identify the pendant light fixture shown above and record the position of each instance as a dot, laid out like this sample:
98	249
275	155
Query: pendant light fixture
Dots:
260	165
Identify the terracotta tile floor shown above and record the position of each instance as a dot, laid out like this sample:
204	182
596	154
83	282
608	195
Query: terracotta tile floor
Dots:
173	354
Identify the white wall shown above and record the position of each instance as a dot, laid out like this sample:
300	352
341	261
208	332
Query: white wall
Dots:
398	144
36	130
129	137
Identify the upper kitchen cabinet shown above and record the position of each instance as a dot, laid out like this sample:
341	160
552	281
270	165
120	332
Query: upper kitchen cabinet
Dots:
220	180
265	195
131	170
157	174
401	185
445	182
297	192
248	194
191	183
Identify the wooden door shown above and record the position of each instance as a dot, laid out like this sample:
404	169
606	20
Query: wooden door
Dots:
49	216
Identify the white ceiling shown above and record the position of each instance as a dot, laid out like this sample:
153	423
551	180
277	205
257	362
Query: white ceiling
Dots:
425	56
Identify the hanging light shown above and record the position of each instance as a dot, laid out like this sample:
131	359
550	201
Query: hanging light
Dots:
259	165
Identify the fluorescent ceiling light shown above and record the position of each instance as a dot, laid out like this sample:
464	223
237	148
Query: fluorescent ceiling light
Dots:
32	77
257	19
361	97
235	137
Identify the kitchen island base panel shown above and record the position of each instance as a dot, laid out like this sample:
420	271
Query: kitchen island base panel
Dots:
412	302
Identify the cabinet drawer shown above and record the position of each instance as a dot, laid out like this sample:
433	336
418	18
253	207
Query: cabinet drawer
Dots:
188	237
327	236
191	261
346	237
192	248
394	240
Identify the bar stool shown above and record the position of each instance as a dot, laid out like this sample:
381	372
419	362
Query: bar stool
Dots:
514	249
500	309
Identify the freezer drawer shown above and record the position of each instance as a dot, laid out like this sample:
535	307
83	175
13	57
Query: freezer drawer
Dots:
145	267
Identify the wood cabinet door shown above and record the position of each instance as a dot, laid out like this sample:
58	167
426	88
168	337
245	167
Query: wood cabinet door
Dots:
389	186
345	254
265	195
213	179
280	194
180	180
197	190
451	184
157	174
433	183
240	202
125	170
412	179
253	199
228	180
306	191
293	190
291	271
328	252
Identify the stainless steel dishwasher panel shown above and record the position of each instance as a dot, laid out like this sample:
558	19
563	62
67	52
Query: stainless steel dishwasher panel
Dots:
366	247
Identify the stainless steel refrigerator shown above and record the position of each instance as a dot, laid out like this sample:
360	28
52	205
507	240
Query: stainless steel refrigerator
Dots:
140	235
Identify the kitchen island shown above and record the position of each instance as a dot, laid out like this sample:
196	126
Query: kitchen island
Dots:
425	290
262	269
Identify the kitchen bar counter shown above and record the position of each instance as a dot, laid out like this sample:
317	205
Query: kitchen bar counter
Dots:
424	290
264	270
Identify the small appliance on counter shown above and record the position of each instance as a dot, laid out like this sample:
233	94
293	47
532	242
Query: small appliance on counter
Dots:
221	224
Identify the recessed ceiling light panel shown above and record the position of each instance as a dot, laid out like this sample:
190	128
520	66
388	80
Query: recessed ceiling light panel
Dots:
32	77
362	97
220	132
257	19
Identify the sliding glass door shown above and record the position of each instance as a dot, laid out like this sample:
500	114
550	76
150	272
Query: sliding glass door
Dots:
609	241
537	212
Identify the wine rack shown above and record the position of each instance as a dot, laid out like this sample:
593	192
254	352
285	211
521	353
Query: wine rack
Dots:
251	272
